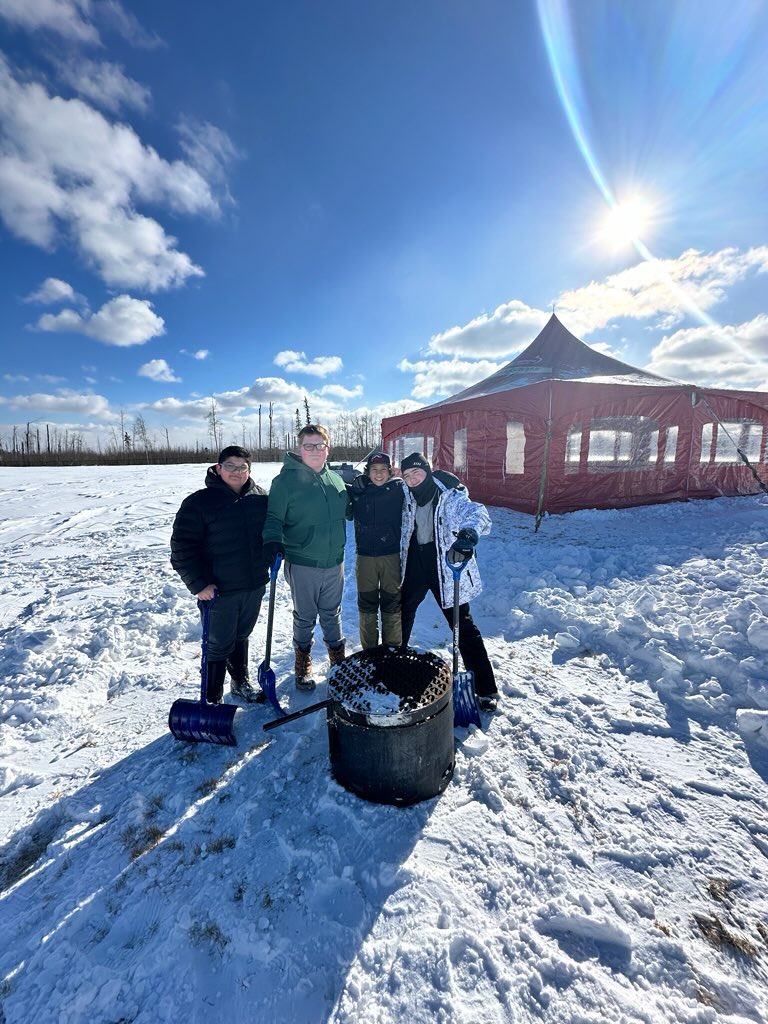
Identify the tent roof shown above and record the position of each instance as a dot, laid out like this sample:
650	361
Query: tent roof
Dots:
556	354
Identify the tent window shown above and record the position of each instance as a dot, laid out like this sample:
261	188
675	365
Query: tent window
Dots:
515	458
410	443
746	434
706	442
573	450
670	451
623	443
460	450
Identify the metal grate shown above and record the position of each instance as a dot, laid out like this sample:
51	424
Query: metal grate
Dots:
385	681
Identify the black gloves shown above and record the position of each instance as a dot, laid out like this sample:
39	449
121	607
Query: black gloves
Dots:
463	547
270	550
359	484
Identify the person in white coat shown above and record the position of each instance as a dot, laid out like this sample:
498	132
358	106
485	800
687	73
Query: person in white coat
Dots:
438	520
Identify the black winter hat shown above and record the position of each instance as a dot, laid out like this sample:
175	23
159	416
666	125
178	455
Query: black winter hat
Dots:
378	459
415	461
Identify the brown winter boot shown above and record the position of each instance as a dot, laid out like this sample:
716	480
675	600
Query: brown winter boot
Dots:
302	668
336	655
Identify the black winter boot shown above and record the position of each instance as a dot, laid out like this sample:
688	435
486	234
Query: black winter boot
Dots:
214	682
237	664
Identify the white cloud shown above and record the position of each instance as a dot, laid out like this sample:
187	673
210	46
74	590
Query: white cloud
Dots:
208	148
297	362
123	321
338	391
159	370
62	401
446	377
662	290
66	171
74	20
53	290
508	329
201	353
15	378
733	356
68	18
104	84
396	408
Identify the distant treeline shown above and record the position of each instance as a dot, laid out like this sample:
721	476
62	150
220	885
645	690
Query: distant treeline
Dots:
152	456
353	436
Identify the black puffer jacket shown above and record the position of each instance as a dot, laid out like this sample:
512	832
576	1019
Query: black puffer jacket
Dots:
217	537
378	515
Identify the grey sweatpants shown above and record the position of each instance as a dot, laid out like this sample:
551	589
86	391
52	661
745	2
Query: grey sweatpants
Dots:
316	594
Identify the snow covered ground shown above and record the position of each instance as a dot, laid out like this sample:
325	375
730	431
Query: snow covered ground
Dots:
600	855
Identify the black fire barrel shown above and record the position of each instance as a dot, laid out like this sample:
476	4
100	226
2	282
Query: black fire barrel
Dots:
390	725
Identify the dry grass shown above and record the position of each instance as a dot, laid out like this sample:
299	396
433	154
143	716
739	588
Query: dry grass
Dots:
208	786
221	844
208	933
720	888
138	840
715	932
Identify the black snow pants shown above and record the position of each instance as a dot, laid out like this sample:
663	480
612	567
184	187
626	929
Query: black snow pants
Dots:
421	578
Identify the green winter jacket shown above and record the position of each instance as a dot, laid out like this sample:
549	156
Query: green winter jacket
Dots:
307	514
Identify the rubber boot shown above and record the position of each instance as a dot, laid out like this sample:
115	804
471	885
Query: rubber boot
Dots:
302	668
237	664
336	654
214	681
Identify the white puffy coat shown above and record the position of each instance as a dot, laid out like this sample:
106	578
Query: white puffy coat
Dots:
453	512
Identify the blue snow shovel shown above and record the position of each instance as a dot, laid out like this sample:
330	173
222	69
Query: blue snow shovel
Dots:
267	680
203	722
465	709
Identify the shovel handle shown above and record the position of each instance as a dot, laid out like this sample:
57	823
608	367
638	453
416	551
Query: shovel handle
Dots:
205	606
274	569
308	710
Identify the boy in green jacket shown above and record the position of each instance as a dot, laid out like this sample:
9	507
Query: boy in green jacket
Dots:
306	522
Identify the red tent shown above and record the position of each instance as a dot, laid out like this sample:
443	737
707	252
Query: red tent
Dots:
564	427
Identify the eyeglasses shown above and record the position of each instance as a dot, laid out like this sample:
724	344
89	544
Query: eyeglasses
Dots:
319	447
232	468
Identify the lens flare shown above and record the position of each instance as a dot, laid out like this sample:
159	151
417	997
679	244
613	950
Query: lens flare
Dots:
555	21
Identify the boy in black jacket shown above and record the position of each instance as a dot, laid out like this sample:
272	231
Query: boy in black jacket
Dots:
377	511
216	549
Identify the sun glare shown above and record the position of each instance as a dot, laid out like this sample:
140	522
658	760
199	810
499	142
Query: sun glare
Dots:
626	222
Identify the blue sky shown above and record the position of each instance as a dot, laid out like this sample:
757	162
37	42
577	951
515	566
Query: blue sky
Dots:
369	204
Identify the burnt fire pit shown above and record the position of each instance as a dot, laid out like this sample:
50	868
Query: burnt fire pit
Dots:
390	725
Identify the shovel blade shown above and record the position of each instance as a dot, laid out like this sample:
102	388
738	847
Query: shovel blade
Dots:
267	682
196	722
465	709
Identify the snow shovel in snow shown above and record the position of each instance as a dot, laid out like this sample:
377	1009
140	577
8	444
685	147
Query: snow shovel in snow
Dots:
201	722
465	709
267	680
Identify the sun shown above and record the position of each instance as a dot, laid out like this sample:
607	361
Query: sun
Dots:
626	222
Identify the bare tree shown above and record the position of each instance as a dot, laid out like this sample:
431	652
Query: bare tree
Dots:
214	426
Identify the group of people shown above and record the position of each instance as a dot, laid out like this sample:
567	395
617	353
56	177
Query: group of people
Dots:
226	539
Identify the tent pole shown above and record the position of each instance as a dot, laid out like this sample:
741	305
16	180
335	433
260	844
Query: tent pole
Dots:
540	510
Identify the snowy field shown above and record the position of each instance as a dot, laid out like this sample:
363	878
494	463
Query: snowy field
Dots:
601	854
